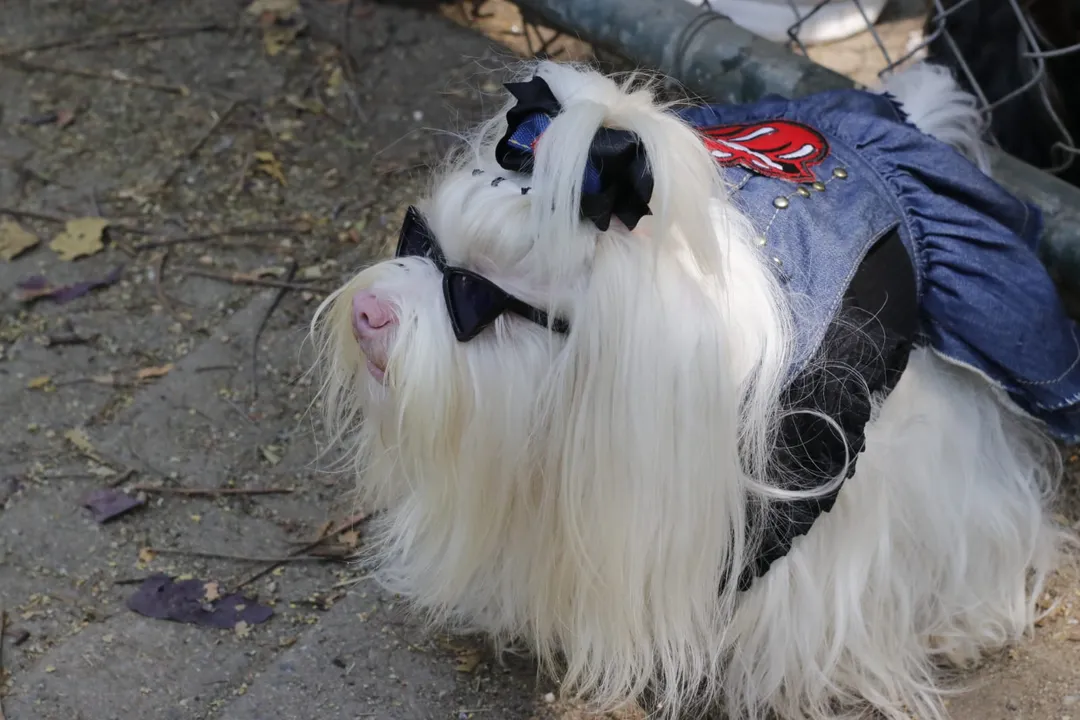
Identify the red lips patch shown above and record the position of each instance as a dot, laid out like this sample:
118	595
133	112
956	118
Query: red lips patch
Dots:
778	149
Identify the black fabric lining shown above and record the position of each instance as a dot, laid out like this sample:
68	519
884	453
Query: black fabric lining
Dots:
865	348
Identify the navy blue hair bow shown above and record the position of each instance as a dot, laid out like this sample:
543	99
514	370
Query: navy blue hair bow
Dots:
617	177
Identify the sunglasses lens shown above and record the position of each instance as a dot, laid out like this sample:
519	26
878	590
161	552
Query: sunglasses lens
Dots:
473	302
417	240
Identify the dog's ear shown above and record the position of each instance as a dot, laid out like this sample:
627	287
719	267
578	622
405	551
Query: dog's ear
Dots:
663	396
644	465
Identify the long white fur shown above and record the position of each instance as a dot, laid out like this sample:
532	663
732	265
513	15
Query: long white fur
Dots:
936	103
584	494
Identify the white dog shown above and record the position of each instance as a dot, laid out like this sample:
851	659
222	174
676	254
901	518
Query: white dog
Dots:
628	354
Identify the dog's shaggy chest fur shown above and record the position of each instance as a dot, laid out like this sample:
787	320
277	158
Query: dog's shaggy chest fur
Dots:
589	492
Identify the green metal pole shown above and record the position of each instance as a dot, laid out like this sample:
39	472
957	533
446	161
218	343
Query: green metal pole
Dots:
716	59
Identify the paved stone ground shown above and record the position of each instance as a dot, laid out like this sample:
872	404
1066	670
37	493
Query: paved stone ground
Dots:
266	136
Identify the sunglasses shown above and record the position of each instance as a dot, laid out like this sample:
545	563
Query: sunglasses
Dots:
472	301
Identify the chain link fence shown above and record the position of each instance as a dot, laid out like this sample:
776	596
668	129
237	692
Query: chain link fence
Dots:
1020	58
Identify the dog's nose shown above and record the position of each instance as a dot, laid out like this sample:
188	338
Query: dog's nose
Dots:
371	316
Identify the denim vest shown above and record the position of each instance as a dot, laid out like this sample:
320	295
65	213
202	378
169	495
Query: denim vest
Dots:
826	176
885	239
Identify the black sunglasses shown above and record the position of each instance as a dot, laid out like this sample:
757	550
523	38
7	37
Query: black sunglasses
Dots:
472	301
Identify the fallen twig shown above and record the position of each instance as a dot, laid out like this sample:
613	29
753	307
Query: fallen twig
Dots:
211	368
212	492
31	215
216	234
245	279
117	76
209	555
70	476
194	149
122	478
240	411
3	628
349	62
168	304
159	289
27	173
49	217
245	168
106	379
82	42
289	274
69	338
347	524
350	581
118	480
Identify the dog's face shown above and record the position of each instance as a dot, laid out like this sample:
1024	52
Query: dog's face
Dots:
441	324
448	387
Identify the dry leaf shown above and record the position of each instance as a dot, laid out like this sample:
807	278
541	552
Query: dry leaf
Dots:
81	237
277	38
323	529
146	555
153	372
467	662
312	106
79	439
270	453
281	8
181	600
270	165
213	592
108	504
39	382
64	118
333	83
14	241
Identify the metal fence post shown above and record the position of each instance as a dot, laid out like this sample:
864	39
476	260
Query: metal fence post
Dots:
714	58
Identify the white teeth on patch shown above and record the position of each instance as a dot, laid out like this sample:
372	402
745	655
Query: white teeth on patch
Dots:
800	153
757	133
756	158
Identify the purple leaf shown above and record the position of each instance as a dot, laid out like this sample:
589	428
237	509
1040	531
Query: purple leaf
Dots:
37	287
185	602
43	119
107	504
34	282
